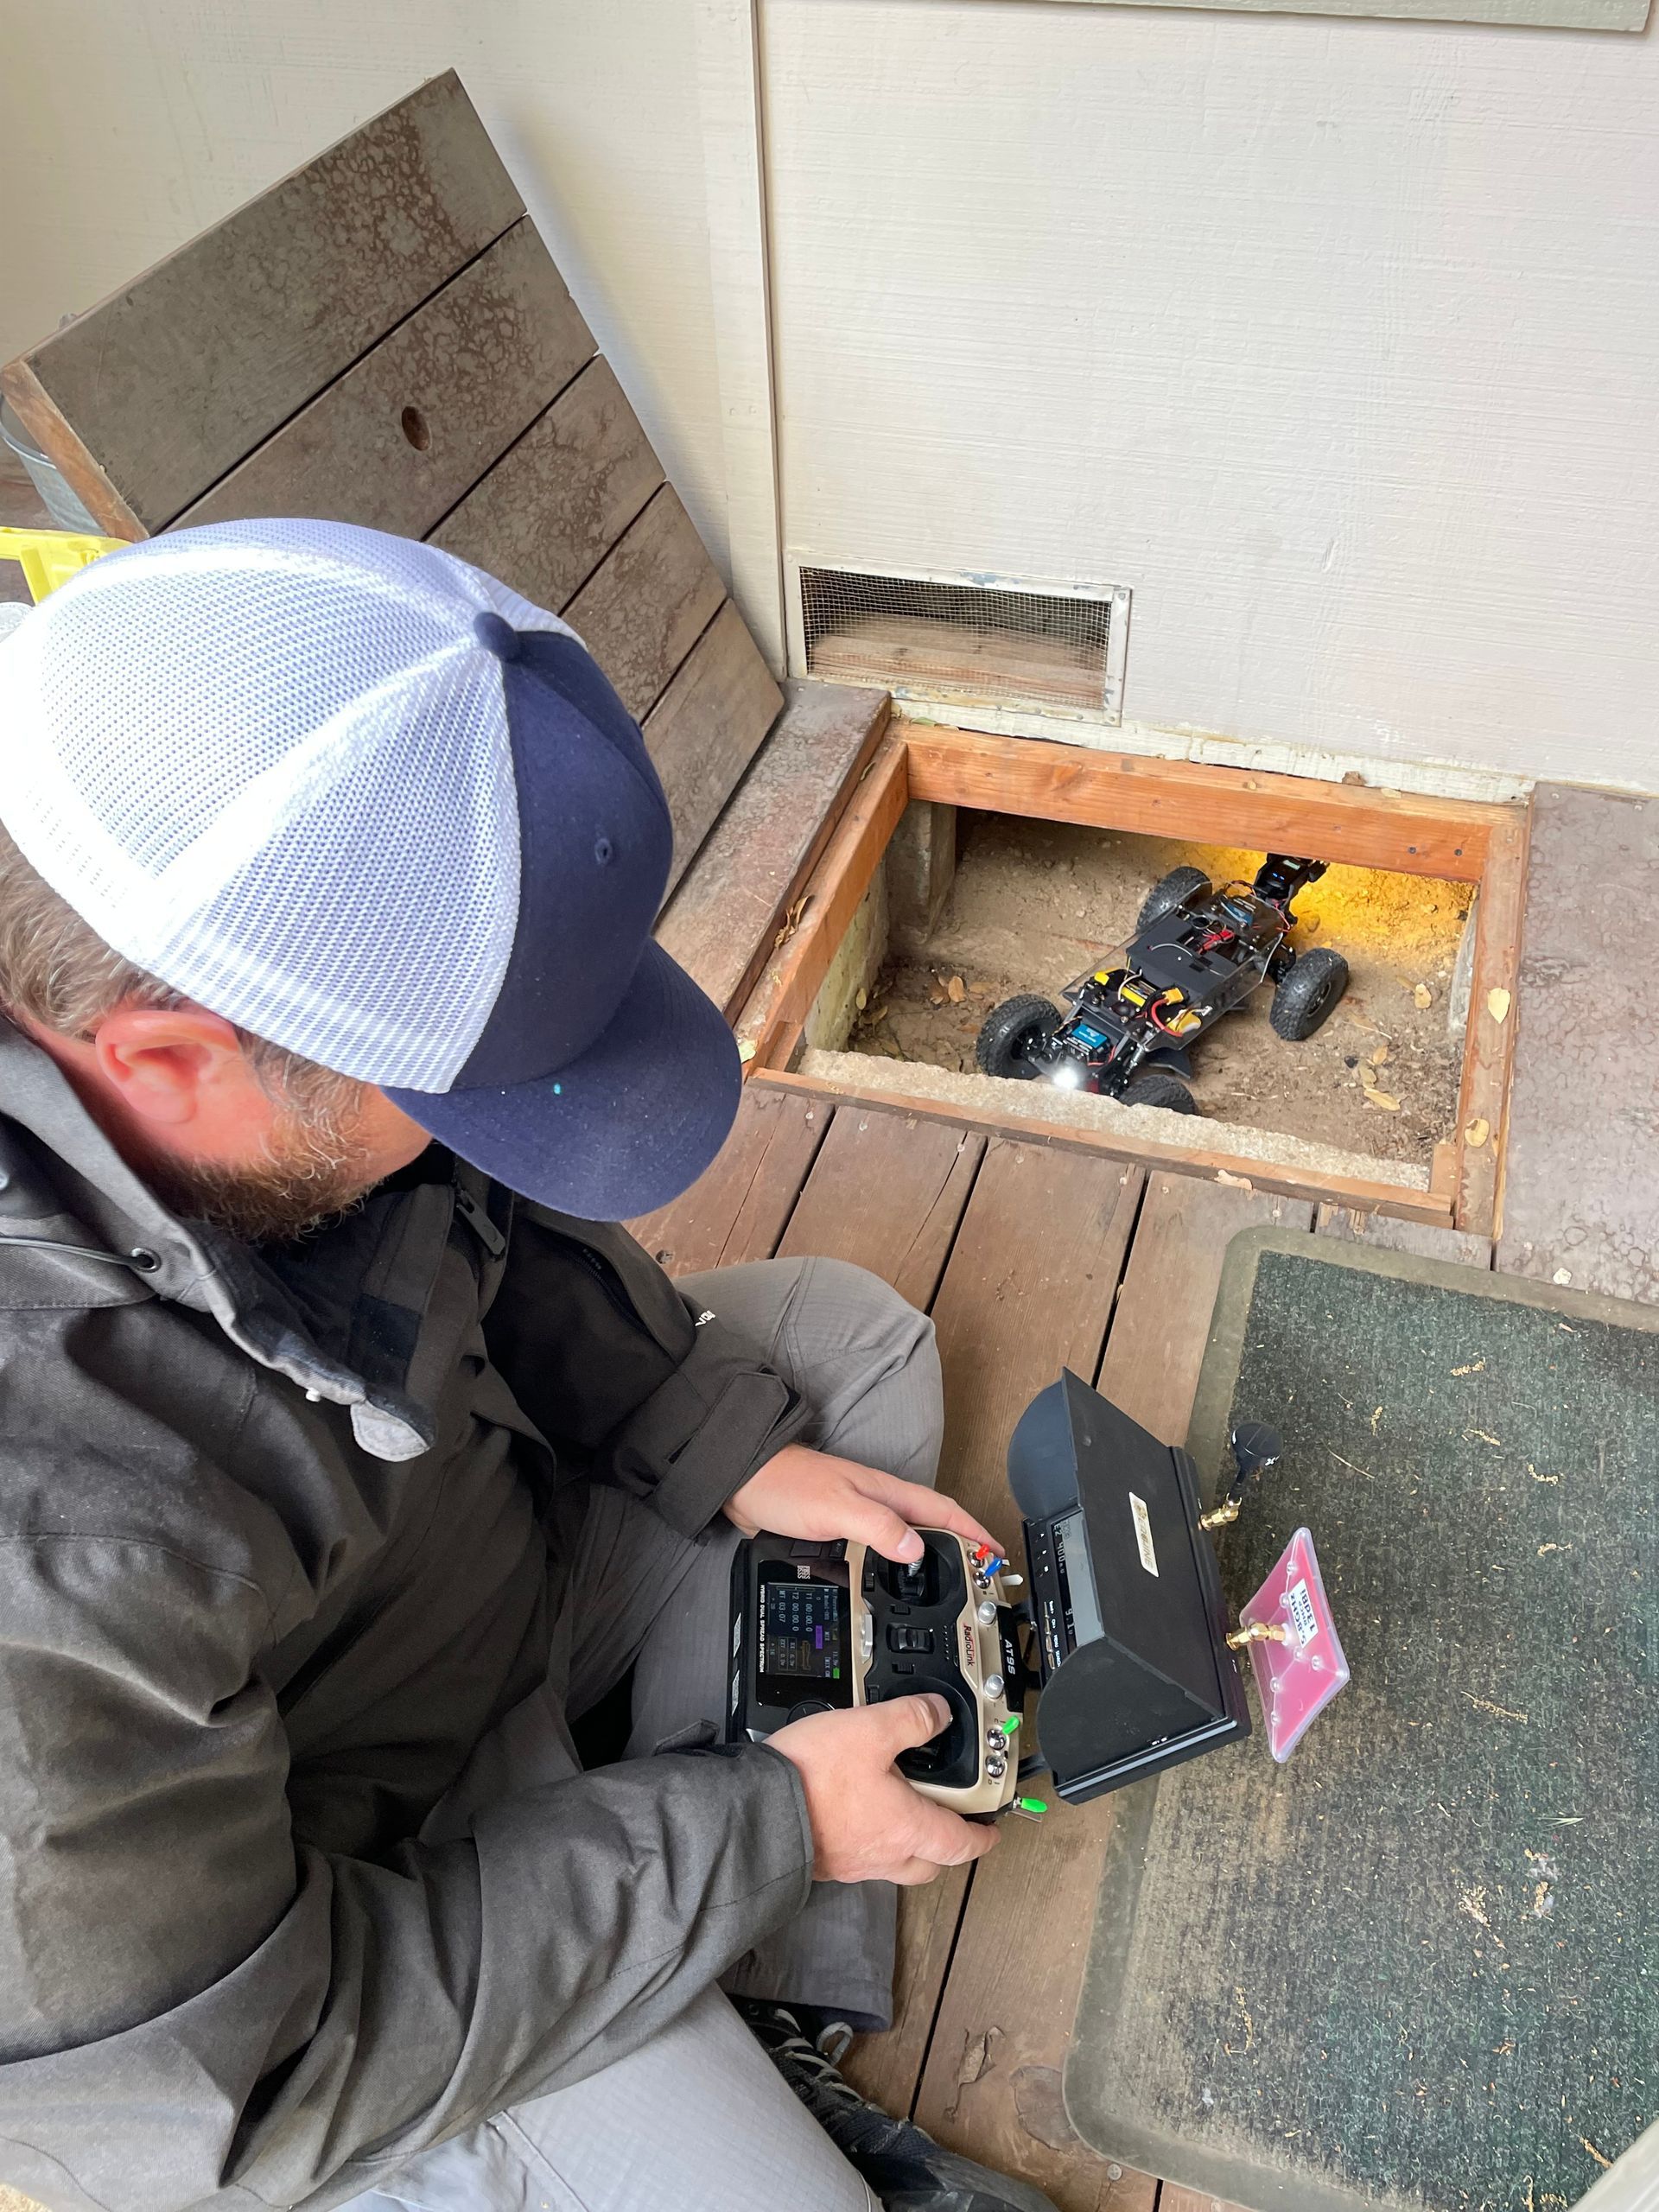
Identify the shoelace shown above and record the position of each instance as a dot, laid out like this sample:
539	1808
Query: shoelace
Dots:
823	2064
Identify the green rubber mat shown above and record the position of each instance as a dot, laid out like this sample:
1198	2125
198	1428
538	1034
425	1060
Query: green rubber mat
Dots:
1417	1966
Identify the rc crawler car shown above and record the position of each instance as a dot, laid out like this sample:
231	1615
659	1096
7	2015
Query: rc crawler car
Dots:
1198	952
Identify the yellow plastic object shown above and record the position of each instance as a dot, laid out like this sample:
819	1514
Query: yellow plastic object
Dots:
50	558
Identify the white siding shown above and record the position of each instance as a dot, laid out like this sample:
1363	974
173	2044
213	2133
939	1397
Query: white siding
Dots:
1338	341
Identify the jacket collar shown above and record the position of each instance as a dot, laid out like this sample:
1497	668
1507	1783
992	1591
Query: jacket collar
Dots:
70	1203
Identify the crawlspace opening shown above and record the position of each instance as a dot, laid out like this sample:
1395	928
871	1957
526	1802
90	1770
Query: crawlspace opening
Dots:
1031	904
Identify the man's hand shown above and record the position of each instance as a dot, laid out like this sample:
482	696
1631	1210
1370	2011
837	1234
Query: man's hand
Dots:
868	1825
800	1492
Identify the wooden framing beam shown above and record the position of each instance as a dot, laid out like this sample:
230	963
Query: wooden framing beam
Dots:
1482	1103
1403	830
772	1021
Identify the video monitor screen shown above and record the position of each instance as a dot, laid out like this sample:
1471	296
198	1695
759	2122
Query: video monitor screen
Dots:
1077	1578
804	1641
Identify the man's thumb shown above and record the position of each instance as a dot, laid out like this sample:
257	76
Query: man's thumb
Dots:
913	1720
885	1531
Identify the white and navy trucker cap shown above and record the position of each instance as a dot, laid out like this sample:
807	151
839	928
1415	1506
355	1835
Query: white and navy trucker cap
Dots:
361	800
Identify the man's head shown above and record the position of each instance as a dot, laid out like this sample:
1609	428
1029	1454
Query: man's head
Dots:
224	1127
323	843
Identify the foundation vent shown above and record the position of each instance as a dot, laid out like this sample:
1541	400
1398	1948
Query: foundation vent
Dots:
956	639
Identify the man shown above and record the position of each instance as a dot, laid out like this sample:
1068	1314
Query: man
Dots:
338	1485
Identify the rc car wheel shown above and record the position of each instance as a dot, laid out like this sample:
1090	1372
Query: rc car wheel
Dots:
1307	997
1157	1087
1168	892
1012	1030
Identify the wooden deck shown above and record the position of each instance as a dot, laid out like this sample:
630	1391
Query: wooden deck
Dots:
1030	1255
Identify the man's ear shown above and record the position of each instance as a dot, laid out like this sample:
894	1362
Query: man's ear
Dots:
169	1065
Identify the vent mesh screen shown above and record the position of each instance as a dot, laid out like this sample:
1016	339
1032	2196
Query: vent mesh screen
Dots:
968	641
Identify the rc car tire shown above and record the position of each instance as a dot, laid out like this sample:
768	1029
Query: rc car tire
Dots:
1157	1087
1307	997
1168	892
1009	1031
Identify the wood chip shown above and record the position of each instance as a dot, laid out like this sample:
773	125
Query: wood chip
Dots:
955	990
936	990
861	1000
1423	995
1498	1711
746	1050
792	921
1475	1133
1360	1021
1379	1056
1498	1004
1383	1098
1236	1182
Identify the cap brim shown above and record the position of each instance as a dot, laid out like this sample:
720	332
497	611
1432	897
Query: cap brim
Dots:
620	1130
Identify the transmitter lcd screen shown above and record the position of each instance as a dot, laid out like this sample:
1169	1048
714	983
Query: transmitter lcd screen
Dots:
1077	1578
803	1641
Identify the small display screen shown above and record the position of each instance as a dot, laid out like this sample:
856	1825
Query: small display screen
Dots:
804	1641
803	1630
1077	1578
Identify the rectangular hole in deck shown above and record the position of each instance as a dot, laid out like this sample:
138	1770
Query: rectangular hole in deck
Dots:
1033	904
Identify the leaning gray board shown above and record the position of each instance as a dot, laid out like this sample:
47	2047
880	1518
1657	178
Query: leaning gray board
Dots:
1415	1969
382	338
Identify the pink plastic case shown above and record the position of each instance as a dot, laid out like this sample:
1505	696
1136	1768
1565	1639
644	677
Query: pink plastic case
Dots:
1296	1678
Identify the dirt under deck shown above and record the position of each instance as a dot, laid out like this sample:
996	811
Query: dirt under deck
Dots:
1034	903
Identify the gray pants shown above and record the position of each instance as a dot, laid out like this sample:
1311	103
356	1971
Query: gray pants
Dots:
698	2118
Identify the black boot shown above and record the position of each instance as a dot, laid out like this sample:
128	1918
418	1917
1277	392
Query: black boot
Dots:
907	2170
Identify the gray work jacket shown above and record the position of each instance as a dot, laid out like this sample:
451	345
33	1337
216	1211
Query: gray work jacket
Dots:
273	1567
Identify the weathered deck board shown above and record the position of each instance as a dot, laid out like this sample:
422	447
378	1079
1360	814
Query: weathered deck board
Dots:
648	602
721	922
992	2085
737	1209
887	1193
551	508
1028	1289
397	440
1385	1234
151	397
708	726
1581	1197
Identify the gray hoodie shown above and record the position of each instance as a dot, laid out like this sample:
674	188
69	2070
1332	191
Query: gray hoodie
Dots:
275	1567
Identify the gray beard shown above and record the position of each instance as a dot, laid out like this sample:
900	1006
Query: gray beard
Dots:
315	1172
